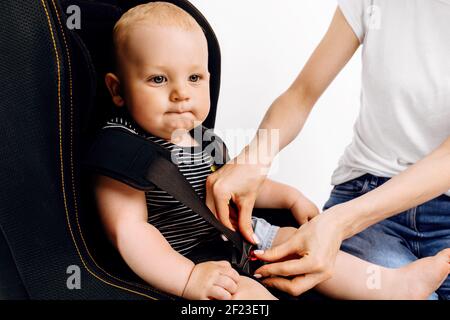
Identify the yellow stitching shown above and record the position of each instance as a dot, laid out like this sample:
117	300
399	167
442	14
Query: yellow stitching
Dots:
71	156
61	158
71	161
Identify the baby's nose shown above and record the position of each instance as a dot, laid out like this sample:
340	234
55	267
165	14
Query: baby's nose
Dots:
180	93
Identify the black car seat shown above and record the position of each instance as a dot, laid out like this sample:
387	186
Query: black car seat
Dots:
51	77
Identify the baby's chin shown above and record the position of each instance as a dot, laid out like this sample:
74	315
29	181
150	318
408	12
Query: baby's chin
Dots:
182	124
168	128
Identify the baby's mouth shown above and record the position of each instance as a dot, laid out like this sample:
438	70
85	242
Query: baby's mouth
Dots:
181	114
184	111
178	112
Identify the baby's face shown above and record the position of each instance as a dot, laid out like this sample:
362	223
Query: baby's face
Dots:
165	78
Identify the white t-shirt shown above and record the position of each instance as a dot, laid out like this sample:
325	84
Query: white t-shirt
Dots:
405	98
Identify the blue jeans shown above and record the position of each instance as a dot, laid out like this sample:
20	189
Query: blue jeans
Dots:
416	233
265	232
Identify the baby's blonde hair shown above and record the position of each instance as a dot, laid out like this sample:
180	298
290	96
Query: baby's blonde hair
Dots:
156	13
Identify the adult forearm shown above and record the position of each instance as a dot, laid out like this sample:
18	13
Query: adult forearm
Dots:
418	184
289	112
280	125
150	256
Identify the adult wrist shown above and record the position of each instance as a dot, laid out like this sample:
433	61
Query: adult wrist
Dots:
252	154
342	222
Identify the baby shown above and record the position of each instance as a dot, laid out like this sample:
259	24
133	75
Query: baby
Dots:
162	80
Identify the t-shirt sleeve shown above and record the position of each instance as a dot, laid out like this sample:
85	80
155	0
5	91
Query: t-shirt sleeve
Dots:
355	13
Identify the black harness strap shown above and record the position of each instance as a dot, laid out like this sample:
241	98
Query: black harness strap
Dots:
123	156
143	164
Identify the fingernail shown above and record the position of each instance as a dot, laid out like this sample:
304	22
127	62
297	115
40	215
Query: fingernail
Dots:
223	237
257	276
258	252
256	239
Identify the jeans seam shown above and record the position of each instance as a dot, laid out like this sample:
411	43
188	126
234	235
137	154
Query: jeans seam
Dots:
273	232
364	189
417	248
413	218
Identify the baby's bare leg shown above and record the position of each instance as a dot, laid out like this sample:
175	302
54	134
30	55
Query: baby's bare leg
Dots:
283	235
354	278
249	289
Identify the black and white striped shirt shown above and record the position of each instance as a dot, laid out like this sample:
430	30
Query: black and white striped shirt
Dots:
182	228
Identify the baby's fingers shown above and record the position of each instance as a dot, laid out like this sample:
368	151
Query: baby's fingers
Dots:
227	283
231	273
218	293
227	270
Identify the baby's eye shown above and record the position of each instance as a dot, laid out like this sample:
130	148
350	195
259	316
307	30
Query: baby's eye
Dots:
194	78
158	79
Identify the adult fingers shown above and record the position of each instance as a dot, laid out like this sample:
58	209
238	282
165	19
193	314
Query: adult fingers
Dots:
245	220
313	213
233	216
295	286
235	224
217	200
304	265
285	268
304	219
222	209
289	247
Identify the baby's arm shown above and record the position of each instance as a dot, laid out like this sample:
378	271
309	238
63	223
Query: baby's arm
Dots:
277	195
124	215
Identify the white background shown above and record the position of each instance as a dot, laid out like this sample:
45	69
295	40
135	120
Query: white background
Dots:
264	45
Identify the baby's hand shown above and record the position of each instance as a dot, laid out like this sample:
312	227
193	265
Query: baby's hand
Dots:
304	209
249	289
212	280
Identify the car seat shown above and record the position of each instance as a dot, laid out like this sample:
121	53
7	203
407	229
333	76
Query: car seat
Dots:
51	77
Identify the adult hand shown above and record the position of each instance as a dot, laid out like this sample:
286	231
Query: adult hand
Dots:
313	249
239	182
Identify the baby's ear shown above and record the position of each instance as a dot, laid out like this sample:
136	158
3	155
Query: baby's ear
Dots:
113	84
